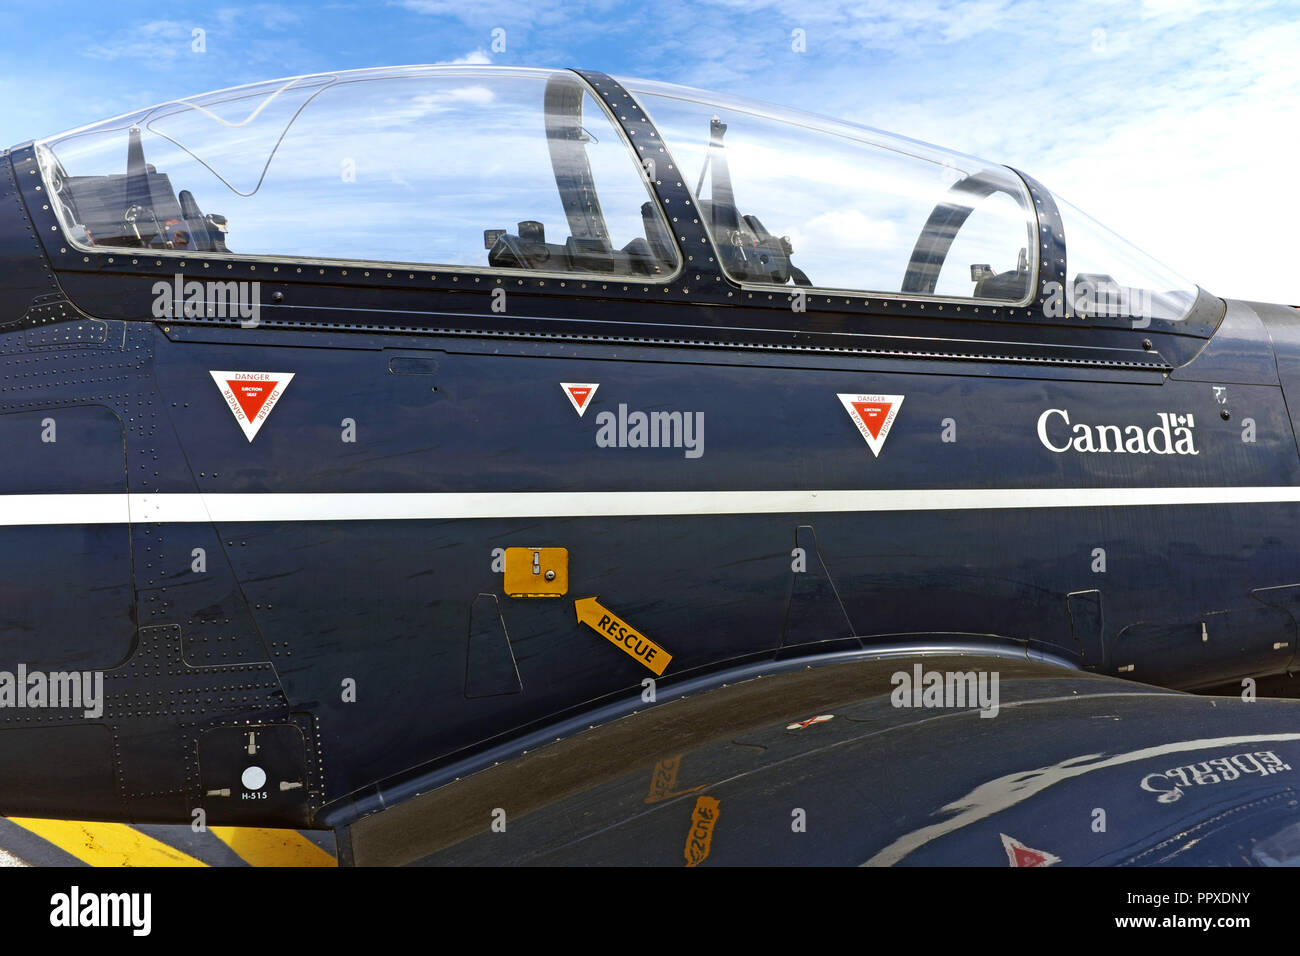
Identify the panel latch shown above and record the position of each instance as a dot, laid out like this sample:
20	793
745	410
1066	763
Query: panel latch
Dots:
537	572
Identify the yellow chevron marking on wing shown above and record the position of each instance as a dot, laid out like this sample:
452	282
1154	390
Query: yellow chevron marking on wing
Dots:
264	847
107	844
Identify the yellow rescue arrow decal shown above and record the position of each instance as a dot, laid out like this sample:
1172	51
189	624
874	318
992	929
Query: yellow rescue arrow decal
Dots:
621	634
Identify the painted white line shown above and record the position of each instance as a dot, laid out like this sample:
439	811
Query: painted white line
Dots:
63	509
190	508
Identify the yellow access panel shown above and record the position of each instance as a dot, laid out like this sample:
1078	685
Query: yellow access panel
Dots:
537	572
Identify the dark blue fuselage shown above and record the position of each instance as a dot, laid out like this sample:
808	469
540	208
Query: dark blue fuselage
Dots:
331	586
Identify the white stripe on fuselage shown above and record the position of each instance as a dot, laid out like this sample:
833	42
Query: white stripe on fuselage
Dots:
74	509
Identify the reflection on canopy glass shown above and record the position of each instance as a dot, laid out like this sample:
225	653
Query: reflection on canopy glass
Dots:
1110	277
524	170
794	199
514	169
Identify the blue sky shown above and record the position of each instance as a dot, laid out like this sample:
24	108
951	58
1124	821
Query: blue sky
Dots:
1174	122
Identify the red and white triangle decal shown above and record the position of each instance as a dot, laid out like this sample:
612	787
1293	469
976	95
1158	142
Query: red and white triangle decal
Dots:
1019	855
873	415
251	396
580	394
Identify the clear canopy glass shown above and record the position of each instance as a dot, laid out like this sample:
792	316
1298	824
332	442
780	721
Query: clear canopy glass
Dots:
1111	277
796	199
525	170
860	209
469	167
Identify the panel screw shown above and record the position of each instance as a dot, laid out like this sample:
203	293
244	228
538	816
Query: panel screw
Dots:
1146	344
550	575
277	296
1225	414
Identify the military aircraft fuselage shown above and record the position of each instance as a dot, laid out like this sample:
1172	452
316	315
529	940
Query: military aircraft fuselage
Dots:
742	473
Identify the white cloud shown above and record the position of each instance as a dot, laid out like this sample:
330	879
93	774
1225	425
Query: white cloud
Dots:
151	42
1174	124
497	13
477	57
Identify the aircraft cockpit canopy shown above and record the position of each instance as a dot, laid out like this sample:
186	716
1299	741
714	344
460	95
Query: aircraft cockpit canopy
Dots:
864	210
521	170
510	169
